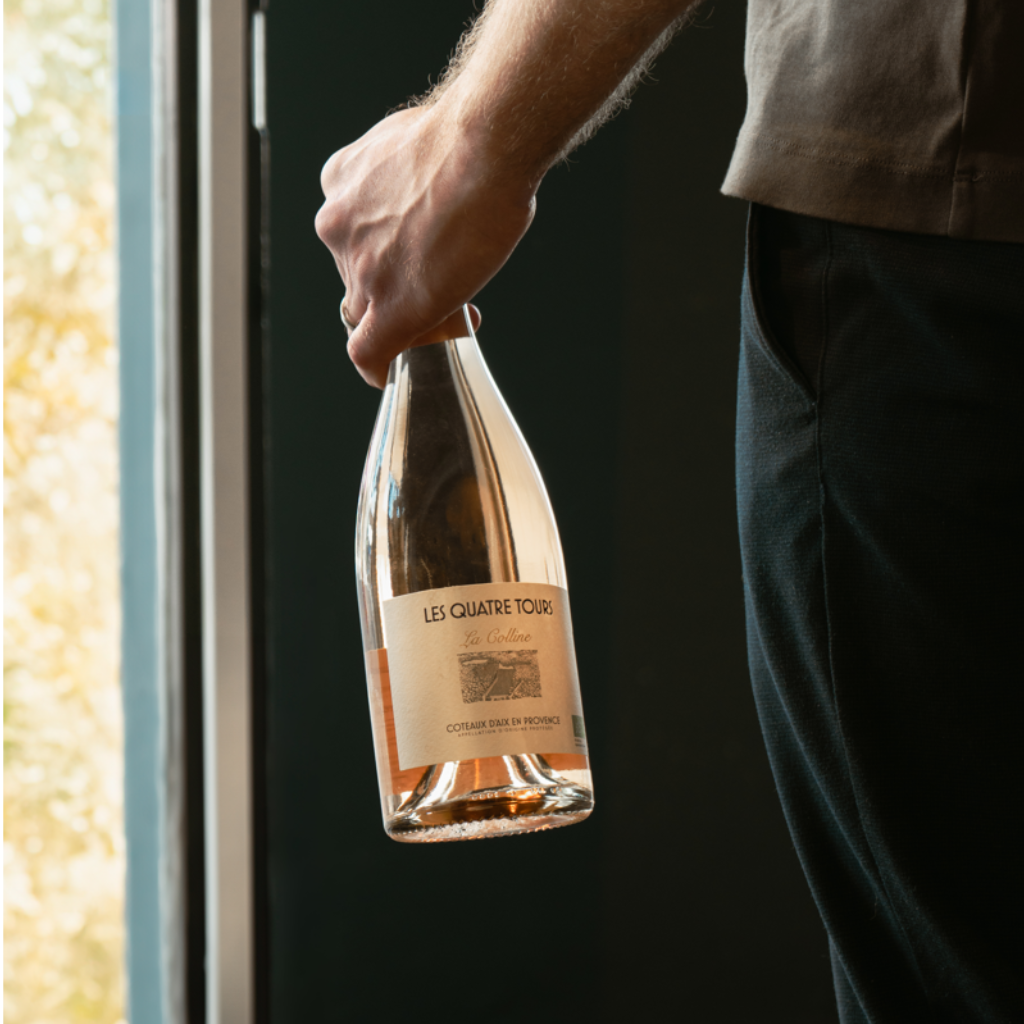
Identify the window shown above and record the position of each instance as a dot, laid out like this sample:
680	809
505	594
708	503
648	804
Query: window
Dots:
64	836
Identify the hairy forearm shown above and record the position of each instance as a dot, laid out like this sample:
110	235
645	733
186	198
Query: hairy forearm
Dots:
424	209
534	78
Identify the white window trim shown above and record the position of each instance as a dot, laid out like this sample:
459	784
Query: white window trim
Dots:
227	712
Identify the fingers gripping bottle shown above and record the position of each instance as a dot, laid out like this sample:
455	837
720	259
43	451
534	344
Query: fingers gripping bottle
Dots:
474	698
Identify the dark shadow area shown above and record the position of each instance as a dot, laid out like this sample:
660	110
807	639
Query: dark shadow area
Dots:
612	333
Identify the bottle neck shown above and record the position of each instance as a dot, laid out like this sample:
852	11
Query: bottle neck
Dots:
440	363
443	407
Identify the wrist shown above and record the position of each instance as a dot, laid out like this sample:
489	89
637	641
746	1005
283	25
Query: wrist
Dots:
479	137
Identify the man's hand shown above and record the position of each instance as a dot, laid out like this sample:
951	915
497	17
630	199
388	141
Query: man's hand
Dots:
418	223
424	209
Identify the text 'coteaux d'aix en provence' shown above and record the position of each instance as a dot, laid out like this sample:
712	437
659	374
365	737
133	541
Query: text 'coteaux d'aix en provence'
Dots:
507	723
492	606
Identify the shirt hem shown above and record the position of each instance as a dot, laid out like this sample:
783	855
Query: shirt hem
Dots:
893	195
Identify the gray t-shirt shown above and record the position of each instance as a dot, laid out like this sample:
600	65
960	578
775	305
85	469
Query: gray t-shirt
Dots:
901	114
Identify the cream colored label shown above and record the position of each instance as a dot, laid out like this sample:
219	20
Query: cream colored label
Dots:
483	671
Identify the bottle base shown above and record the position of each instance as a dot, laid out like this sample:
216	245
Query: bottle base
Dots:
486	815
486	829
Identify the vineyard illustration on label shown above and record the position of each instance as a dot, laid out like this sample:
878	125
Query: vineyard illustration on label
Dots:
499	675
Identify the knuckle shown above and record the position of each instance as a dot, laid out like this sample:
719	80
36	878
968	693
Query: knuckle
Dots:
325	223
362	358
330	172
355	353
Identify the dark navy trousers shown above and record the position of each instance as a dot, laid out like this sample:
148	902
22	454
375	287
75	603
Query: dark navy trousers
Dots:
880	472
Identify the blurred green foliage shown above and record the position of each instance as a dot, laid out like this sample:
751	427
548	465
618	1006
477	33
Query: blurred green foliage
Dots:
64	838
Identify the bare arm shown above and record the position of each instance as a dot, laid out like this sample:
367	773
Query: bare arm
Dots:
424	209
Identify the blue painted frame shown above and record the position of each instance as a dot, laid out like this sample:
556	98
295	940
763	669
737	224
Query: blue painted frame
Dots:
140	667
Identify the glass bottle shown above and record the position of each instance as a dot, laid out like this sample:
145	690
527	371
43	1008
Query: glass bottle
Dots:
474	700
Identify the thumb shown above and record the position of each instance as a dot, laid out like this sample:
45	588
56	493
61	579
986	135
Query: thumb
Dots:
451	327
372	348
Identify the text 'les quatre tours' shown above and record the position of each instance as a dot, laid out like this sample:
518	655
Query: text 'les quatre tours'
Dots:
493	606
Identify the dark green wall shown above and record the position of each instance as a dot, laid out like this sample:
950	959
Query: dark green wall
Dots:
681	893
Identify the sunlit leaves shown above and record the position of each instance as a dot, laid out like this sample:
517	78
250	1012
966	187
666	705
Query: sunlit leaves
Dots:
63	853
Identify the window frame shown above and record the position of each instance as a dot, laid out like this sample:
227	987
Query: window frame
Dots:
190	326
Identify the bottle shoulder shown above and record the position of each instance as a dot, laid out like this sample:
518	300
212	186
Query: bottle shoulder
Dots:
451	494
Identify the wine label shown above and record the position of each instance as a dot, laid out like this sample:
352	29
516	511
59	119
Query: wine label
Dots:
482	671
